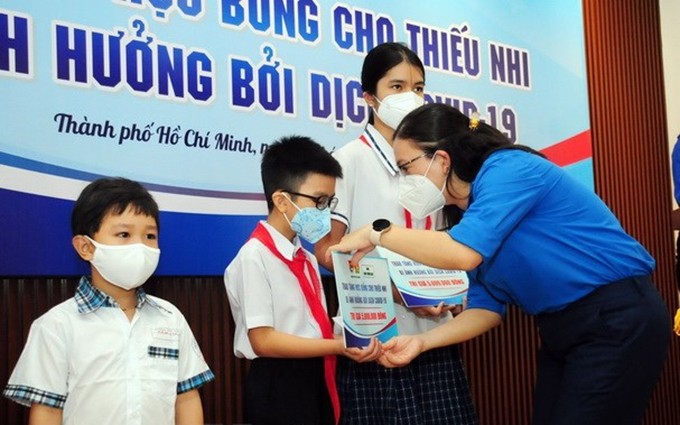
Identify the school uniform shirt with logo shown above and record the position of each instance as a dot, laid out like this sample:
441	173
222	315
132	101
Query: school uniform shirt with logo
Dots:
84	356
369	190
264	292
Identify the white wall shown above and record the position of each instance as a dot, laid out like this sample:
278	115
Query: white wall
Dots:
670	38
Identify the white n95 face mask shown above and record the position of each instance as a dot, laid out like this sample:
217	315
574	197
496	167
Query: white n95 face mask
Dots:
395	107
126	266
419	195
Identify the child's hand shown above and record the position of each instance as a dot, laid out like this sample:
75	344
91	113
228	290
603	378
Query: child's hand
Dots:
401	350
365	354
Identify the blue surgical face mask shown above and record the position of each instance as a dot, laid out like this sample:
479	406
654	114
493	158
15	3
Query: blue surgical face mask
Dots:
310	223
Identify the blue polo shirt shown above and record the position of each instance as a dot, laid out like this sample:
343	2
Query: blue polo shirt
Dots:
546	239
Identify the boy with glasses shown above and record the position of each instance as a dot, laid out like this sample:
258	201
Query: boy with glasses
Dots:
276	297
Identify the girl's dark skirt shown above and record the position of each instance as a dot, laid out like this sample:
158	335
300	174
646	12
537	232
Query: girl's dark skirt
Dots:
432	390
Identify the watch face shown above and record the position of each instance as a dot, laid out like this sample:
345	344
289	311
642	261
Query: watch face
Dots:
381	224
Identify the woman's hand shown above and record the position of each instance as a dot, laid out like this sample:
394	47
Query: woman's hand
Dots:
401	350
358	242
436	311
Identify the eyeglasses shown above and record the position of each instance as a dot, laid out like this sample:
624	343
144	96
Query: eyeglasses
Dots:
403	166
322	202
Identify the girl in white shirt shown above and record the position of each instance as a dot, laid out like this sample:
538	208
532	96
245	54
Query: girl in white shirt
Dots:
432	390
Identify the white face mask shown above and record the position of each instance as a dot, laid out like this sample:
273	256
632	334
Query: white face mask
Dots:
395	107
126	266
419	195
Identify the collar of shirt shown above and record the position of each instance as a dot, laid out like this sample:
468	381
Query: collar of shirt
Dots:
285	247
88	298
381	148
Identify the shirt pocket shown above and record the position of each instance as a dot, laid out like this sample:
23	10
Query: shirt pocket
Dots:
160	371
163	352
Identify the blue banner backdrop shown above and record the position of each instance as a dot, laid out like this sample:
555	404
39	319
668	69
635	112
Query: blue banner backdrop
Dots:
185	95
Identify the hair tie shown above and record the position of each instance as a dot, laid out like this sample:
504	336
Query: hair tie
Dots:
474	121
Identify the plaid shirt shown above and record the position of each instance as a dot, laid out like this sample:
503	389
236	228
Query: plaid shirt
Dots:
89	298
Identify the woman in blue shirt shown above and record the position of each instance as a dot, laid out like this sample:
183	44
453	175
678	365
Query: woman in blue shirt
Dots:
531	236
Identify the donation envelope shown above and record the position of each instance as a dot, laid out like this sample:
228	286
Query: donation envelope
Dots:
365	298
420	285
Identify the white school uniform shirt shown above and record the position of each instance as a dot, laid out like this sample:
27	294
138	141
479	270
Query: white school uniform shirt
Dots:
264	292
368	190
84	356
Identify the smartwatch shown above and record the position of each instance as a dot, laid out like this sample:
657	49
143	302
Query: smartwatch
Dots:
380	226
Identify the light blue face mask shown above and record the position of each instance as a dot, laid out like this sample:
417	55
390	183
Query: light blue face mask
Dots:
311	223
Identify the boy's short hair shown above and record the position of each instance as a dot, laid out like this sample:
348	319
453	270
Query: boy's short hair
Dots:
288	161
109	196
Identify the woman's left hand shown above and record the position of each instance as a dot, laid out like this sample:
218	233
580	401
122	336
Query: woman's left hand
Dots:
436	311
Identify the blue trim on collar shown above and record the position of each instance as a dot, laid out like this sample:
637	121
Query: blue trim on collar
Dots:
380	152
339	215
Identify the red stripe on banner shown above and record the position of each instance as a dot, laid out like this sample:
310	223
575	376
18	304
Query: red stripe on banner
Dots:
571	150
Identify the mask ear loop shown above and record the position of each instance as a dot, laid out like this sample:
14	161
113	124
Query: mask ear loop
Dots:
429	165
291	201
454	196
284	214
428	170
376	106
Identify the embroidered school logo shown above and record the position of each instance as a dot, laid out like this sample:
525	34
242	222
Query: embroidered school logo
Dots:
170	334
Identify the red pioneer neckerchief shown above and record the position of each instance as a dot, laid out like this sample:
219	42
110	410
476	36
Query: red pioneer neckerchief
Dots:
312	292
408	220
